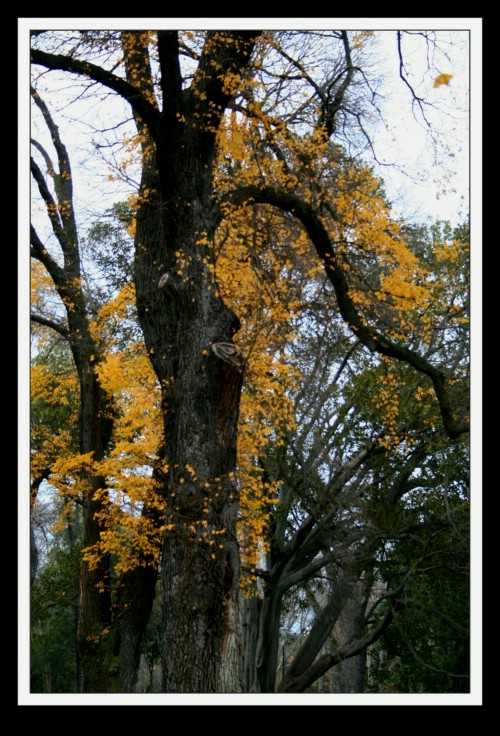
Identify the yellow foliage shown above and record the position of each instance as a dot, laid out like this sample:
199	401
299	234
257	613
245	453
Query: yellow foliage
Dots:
377	262
259	256
137	430
52	395
137	434
442	79
262	291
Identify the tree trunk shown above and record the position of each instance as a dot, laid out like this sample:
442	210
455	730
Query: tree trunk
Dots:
135	601
33	556
181	321
352	674
200	569
251	620
200	393
268	643
95	614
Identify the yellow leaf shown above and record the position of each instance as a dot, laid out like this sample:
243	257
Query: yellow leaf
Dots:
442	79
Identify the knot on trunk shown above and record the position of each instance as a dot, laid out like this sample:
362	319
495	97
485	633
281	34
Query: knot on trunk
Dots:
229	353
169	284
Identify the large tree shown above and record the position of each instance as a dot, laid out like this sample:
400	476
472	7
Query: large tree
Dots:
179	88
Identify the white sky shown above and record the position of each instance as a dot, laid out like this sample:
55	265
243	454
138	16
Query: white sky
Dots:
426	202
436	179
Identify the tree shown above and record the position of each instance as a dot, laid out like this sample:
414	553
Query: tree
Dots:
179	87
428	647
71	450
54	602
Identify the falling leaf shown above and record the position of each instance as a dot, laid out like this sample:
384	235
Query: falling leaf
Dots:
442	79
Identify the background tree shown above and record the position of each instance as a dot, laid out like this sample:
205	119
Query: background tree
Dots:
70	450
54	559
54	615
427	650
345	492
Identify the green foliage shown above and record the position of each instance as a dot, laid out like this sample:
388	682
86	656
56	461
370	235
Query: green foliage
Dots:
426	650
54	600
109	248
46	414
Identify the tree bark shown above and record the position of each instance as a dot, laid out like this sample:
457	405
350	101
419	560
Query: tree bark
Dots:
251	610
182	316
200	403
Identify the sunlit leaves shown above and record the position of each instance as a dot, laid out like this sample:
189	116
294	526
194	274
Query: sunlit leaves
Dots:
265	294
127	375
392	288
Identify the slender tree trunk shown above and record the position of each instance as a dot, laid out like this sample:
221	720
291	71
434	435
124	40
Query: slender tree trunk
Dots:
135	600
268	643
135	596
251	620
95	619
95	613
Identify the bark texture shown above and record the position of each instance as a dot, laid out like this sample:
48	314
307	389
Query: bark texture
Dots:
182	316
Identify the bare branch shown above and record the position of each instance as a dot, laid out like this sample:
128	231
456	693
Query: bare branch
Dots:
416	99
148	112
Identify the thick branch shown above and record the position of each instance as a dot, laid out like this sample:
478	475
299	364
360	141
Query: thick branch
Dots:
148	112
49	323
306	572
46	157
39	252
373	340
310	538
171	78
327	661
324	622
224	57
64	228
292	546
